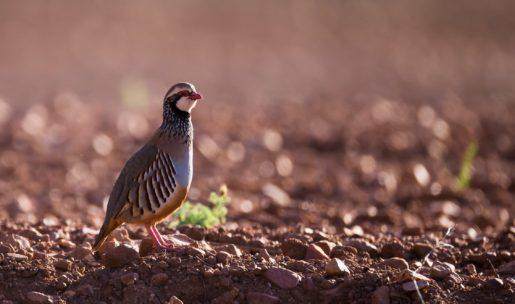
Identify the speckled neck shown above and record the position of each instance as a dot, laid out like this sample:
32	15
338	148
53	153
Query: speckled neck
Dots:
176	124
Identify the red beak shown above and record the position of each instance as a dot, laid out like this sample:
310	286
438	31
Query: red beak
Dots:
195	96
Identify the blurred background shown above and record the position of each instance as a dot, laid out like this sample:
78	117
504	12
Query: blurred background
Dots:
235	50
333	113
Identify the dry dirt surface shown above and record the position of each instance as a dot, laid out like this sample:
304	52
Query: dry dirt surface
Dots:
332	202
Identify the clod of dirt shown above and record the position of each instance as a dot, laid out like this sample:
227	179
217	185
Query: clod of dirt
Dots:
421	249
327	246
508	268
261	298
395	263
129	278
282	277
223	257
393	249
315	253
294	248
336	267
63	265
159	279
146	247
119	256
174	300
381	295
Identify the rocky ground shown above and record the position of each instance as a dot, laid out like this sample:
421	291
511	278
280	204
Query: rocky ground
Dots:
345	203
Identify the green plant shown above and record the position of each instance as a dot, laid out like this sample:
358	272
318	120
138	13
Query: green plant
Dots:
202	215
465	175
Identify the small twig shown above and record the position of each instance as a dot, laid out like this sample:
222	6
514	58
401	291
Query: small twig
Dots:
426	258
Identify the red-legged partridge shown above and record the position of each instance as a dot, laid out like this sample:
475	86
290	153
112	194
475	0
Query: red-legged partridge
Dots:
155	180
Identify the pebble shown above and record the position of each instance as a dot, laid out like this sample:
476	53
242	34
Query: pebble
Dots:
395	263
421	249
494	283
129	278
223	257
327	246
441	270
159	279
17	257
381	295
174	300
393	249
16	241
508	268
343	251
315	253
146	247
282	277
232	249
362	245
119	256
38	297
336	267
63	265
261	298
413	285
32	234
471	269
294	248
66	244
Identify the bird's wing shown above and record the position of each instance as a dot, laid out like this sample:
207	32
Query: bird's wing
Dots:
149	182
138	163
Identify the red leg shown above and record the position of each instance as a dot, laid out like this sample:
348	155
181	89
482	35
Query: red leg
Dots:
162	241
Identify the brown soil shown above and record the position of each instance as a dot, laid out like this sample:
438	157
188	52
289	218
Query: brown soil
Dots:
369	183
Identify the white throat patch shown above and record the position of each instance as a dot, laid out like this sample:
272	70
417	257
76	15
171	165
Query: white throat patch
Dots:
185	104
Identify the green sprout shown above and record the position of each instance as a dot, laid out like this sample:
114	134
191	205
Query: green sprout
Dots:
202	215
463	179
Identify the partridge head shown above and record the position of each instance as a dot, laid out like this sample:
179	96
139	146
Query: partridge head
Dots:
155	181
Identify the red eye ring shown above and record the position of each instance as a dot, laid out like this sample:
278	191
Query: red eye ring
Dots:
184	93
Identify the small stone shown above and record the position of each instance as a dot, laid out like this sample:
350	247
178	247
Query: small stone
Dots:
63	265
414	285
294	248
129	278
119	256
261	298
326	246
38	297
315	253
381	295
393	249
17	257
508	268
174	300
441	270
421	249
494	283
16	241
283	278
362	245
343	252
232	249
66	244
146	247
471	269
159	279
336	267
32	234
223	257
395	263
